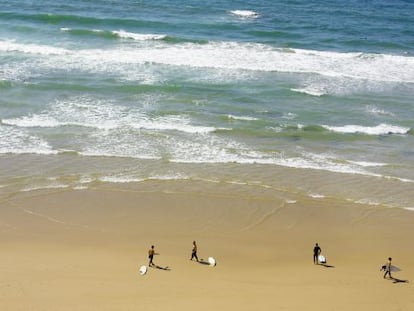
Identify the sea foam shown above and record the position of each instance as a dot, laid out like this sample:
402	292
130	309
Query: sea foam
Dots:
310	91
241	118
11	46
381	129
138	36
96	113
15	141
223	55
245	13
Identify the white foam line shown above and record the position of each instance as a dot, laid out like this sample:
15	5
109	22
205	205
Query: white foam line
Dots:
377	111
367	202
316	196
58	221
225	55
381	129
138	36
44	187
310	91
291	201
245	13
10	46
80	188
120	179
44	216
368	164
108	116
242	118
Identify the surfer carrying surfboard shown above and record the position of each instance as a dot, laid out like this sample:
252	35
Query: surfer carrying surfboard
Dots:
316	252
194	251
388	268
151	254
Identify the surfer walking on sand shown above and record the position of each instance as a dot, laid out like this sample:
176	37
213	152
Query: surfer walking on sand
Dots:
387	268
151	254
316	252
194	251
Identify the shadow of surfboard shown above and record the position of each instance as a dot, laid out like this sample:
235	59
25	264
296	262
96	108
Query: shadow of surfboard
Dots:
203	262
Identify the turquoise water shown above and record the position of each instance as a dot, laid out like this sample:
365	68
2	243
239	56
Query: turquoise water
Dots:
316	97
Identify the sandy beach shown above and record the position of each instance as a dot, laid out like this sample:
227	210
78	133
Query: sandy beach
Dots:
81	250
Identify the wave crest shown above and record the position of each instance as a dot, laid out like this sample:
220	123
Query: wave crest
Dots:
138	36
245	13
381	129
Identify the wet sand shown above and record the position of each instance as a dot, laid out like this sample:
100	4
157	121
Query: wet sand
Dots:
81	250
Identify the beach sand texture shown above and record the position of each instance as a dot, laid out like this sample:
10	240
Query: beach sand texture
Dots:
81	250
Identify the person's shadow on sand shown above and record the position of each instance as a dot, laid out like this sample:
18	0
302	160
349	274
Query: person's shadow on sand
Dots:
394	280
161	268
326	265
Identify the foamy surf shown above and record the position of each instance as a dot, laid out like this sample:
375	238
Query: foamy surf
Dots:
368	164
241	118
137	36
381	129
125	178
245	13
376	111
11	46
102	114
316	196
120	179
15	141
310	91
221	55
44	187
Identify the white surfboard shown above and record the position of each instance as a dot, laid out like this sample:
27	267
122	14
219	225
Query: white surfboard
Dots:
393	268
322	259
143	270
211	261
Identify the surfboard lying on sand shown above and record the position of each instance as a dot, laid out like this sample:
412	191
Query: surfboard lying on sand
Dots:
143	270
211	261
321	259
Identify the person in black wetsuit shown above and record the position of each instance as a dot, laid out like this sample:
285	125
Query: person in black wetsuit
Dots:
151	254
316	252
387	268
194	251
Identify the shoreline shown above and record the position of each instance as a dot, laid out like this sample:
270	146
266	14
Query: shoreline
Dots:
71	172
67	250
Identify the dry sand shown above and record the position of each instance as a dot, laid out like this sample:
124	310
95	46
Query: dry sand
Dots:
81	250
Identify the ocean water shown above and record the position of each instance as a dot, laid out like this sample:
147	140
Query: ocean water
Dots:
304	97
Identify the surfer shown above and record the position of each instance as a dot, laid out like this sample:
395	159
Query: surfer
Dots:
151	254
388	268
194	251
316	252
